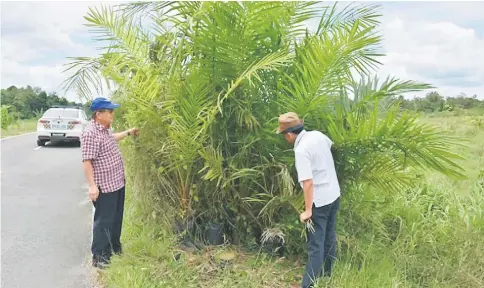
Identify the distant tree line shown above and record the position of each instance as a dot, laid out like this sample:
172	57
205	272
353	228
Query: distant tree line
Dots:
434	102
28	102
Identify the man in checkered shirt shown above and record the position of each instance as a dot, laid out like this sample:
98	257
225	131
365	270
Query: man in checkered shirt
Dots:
104	170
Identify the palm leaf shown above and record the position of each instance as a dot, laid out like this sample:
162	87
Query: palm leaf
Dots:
367	15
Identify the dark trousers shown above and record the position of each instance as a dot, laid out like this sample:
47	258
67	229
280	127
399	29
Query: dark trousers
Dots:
108	221
321	243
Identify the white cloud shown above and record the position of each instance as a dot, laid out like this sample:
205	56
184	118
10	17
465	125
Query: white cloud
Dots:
15	50
42	26
36	39
432	42
461	12
46	77
428	42
65	16
443	54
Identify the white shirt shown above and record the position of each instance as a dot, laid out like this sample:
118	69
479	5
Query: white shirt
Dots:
315	161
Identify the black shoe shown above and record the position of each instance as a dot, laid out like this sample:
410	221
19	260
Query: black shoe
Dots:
99	262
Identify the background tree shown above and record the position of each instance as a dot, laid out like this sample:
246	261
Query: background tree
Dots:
31	102
7	116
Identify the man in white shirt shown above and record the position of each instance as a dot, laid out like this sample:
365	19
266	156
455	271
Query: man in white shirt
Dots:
317	176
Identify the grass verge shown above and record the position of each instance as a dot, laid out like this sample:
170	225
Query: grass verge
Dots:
427	236
21	127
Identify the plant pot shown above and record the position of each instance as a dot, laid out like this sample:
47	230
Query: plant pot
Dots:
274	247
183	226
214	233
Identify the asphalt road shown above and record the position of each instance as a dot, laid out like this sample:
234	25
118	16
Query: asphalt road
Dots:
46	216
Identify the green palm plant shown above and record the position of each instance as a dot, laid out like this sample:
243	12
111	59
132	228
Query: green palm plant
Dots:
208	80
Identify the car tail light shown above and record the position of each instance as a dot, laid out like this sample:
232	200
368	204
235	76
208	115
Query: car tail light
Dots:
43	121
75	122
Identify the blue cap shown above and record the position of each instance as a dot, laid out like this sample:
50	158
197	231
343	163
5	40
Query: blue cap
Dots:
102	103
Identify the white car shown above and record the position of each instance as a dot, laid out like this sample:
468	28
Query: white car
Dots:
61	124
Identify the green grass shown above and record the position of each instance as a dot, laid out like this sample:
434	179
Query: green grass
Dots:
21	127
427	236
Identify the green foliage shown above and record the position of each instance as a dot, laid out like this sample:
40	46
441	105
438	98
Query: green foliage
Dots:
7	117
433	102
207	83
28	102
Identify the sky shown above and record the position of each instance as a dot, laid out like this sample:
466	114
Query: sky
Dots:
440	43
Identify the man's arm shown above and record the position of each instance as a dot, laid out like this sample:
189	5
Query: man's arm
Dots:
308	188
88	172
121	135
305	175
90	151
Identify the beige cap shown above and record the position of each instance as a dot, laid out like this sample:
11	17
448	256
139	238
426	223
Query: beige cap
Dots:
288	121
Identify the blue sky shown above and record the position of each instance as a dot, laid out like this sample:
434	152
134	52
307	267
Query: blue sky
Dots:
441	43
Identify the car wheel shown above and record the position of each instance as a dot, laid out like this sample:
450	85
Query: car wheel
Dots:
40	143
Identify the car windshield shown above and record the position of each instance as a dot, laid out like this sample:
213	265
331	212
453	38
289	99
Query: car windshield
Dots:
61	113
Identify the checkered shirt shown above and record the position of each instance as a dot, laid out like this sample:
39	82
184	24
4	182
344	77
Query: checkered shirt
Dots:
99	146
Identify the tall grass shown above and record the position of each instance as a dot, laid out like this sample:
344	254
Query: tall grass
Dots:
20	127
429	235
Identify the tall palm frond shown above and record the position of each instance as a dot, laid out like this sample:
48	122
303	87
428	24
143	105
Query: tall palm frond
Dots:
126	52
381	150
323	65
86	77
367	14
368	92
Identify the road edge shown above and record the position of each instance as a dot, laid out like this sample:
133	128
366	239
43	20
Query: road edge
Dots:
16	136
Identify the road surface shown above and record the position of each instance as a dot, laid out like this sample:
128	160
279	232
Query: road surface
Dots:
46	216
